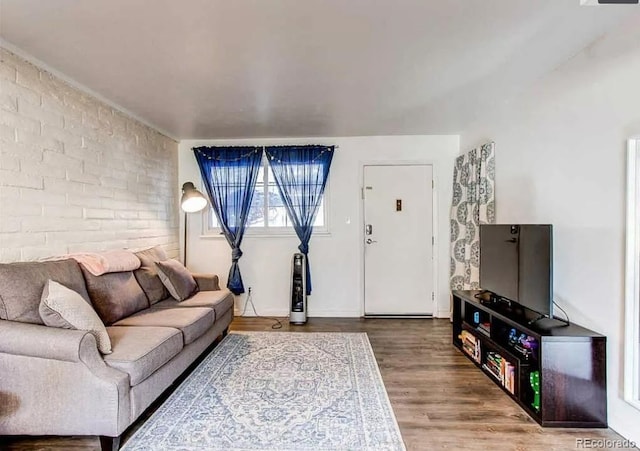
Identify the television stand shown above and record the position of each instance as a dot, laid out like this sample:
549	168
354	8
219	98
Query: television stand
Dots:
556	374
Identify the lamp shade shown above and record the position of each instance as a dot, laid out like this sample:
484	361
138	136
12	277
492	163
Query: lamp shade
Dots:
192	199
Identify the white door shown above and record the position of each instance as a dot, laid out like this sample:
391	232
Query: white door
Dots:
398	248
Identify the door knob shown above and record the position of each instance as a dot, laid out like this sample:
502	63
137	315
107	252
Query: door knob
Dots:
369	241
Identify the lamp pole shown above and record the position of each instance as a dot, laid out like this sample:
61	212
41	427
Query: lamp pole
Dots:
185	240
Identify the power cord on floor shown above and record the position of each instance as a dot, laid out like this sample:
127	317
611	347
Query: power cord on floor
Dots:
276	325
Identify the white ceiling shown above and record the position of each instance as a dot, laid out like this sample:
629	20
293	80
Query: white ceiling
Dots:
276	68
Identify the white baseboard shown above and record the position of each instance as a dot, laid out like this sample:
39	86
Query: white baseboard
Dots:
263	312
335	314
443	314
313	314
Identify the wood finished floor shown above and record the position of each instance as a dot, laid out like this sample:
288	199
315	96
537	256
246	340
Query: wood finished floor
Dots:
441	400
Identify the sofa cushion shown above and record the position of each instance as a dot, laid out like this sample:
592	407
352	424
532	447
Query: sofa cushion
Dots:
21	286
140	351
220	301
177	279
192	322
115	295
66	309
147	274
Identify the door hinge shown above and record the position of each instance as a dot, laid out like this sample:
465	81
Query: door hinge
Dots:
362	192
433	184
433	240
433	296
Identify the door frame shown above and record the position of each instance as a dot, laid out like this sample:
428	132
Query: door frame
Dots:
434	225
631	386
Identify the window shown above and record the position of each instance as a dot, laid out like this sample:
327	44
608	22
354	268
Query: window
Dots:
632	307
268	214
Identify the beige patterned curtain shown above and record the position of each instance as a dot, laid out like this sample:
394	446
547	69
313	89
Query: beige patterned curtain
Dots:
473	204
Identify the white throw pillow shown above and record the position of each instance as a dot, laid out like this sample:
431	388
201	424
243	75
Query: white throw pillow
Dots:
64	308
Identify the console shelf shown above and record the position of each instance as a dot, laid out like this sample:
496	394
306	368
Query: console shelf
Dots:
556	373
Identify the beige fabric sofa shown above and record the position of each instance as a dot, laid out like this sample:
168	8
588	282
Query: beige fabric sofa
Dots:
55	382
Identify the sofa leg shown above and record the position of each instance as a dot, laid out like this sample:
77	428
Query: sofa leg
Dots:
225	332
109	443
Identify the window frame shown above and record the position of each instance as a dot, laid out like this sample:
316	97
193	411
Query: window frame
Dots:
213	232
632	278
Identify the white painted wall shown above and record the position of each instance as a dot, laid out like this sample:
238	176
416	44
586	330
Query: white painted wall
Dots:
560	159
336	259
77	174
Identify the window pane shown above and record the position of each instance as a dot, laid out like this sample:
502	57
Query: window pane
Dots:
277	212
260	179
319	221
213	219
256	213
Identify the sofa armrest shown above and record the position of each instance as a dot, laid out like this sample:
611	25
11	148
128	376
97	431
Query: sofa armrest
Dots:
35	340
67	345
207	282
45	369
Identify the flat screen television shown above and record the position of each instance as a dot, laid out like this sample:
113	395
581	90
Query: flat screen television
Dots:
516	264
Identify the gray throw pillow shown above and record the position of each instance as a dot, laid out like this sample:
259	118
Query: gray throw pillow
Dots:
177	279
21	286
147	274
115	295
64	308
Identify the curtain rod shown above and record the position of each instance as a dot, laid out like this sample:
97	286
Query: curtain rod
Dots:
300	145
284	145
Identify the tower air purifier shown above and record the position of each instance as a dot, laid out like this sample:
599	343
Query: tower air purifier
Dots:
298	312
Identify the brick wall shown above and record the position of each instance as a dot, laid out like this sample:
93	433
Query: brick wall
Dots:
76	174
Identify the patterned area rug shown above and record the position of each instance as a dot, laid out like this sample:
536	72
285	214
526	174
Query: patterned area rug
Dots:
278	391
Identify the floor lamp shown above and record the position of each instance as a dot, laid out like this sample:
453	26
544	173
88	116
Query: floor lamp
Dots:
192	201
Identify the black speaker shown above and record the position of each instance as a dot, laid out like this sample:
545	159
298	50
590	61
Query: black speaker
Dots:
298	305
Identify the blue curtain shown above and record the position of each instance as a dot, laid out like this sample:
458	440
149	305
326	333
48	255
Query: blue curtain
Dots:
230	175
301	174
